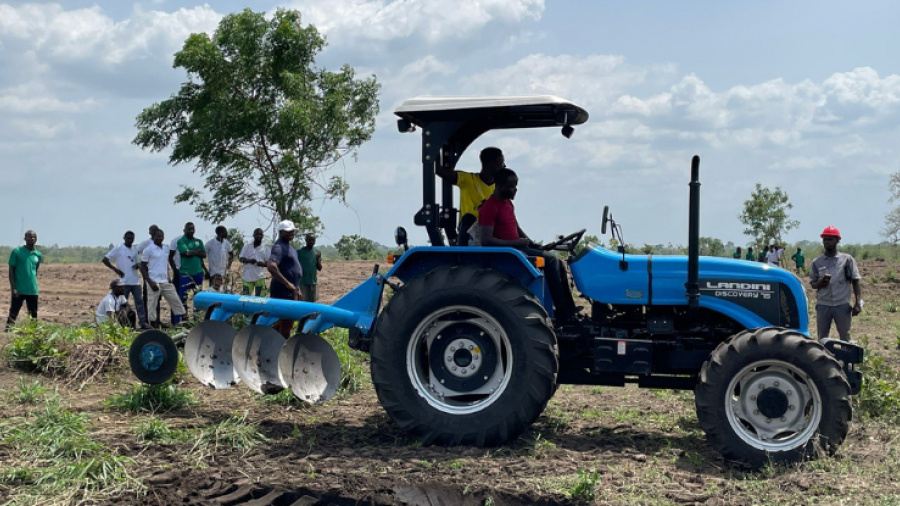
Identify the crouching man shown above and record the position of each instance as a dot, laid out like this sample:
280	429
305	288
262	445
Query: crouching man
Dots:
115	306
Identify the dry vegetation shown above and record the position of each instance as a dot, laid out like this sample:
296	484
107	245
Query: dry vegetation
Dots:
77	430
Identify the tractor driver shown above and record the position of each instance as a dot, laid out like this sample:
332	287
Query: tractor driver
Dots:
499	227
474	189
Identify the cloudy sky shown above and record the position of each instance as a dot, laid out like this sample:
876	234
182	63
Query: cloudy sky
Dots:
804	95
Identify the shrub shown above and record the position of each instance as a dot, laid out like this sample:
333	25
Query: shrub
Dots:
880	394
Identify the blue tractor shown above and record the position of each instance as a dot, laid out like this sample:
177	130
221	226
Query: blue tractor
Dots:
467	350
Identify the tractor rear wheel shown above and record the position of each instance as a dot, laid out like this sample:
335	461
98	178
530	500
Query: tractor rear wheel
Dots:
772	394
463	355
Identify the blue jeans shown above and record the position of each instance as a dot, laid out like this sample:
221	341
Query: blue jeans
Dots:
187	283
135	291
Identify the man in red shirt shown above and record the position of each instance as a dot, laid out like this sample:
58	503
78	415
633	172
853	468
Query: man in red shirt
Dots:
499	227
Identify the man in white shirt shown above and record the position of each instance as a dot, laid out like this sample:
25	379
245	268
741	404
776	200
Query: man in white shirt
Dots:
126	260
254	256
218	253
113	306
155	268
140	249
773	257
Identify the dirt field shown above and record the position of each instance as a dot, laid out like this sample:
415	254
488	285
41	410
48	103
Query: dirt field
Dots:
645	446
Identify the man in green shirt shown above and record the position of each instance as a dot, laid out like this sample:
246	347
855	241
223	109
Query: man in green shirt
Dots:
737	253
192	252
23	266
799	260
750	256
311	262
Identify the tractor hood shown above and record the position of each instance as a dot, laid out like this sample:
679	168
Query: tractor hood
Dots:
752	293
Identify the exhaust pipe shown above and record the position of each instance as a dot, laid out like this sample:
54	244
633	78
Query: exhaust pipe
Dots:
693	282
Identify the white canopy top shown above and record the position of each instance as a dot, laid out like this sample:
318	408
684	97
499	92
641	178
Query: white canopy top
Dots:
425	103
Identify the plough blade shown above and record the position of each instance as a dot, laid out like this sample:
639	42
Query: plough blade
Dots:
207	352
255	353
310	367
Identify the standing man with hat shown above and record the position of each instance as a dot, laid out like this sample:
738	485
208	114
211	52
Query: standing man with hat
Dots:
832	275
286	271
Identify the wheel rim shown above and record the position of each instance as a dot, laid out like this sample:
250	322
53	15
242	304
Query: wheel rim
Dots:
459	359
152	356
773	406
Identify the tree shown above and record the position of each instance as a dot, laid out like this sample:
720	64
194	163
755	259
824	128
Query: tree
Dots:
711	247
891	229
351	247
765	215
259	121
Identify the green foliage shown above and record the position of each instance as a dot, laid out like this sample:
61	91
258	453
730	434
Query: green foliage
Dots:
354	247
151	398
236	238
765	215
42	347
55	254
585	488
587	241
258	119
880	394
711	247
354	364
28	392
37	346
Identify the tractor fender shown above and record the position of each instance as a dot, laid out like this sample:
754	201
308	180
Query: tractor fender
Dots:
510	261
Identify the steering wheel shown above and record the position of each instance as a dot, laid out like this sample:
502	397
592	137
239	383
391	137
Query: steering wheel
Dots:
569	241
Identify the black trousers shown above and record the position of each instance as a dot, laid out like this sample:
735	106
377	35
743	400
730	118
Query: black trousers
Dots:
31	302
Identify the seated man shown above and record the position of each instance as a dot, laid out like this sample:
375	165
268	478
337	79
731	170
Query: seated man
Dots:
474	189
115	307
499	227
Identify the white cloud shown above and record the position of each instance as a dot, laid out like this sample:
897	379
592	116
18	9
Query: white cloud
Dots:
432	20
32	99
89	35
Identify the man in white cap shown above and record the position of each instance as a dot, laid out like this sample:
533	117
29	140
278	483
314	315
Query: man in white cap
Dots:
114	305
286	271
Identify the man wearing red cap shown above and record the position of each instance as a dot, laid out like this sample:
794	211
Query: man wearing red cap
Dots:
832	275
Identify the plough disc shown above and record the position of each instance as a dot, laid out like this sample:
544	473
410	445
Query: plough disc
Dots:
310	368
255	353
207	351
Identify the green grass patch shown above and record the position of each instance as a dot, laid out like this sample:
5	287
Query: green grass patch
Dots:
152	399
28	392
354	363
585	487
53	460
155	430
233	433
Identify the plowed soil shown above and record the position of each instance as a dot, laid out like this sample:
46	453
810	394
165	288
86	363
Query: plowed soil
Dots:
645	446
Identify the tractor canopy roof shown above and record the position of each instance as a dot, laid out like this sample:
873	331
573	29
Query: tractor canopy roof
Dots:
488	113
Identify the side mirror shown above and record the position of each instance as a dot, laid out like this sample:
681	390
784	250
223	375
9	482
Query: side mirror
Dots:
400	238
605	220
567	131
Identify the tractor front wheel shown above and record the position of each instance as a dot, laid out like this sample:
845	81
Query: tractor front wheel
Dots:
463	355
772	394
